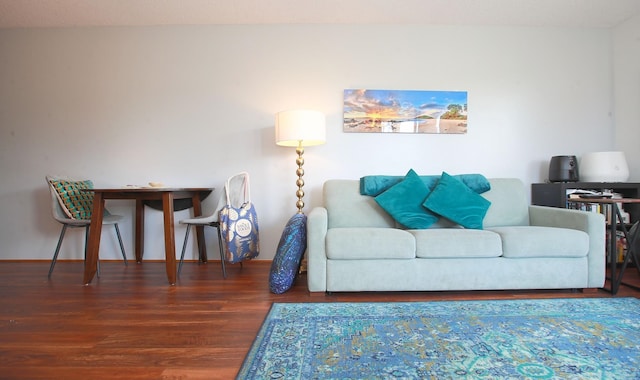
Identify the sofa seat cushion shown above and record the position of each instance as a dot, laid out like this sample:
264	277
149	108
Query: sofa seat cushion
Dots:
535	241
370	243
456	243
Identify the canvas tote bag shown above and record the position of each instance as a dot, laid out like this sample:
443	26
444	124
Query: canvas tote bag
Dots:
239	223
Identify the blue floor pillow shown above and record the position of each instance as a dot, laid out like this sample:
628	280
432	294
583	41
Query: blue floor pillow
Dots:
286	263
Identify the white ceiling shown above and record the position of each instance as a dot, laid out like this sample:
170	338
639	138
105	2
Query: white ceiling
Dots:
562	13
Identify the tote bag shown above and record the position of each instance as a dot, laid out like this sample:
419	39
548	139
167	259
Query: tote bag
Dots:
239	225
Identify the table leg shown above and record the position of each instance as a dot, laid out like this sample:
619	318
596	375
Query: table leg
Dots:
93	244
630	254
197	211
139	238
612	248
169	236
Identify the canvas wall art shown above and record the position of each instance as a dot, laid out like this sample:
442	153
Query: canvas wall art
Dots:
405	111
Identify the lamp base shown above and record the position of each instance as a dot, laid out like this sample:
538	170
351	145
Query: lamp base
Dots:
300	181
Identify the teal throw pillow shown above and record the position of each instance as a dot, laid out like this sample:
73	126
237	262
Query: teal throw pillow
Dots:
374	185
457	202
403	201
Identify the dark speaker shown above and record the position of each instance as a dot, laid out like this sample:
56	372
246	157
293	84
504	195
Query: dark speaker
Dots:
563	169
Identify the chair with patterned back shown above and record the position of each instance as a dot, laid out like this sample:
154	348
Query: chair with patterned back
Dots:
71	207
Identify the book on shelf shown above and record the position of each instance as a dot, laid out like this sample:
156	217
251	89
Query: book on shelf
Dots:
605	209
621	247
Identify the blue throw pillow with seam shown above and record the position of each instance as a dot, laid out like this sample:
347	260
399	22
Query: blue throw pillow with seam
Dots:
291	248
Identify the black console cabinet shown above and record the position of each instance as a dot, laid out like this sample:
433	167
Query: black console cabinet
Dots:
555	194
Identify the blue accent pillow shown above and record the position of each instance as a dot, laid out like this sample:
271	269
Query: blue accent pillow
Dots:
286	263
457	202
403	201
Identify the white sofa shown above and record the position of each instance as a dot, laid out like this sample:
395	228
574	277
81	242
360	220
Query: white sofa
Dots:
354	245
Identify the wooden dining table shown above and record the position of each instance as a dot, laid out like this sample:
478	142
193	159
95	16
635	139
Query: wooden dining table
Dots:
143	195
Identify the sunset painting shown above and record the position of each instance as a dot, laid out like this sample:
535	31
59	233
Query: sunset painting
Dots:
398	111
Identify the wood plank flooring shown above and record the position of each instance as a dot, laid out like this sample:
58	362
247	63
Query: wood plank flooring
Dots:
130	324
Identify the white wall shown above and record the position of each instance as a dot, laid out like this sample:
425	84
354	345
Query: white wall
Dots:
190	106
626	59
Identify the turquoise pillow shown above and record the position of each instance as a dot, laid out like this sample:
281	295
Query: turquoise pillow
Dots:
403	201
457	202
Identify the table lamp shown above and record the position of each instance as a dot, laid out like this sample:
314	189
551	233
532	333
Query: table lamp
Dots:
300	128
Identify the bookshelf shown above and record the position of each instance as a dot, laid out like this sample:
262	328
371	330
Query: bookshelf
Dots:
556	194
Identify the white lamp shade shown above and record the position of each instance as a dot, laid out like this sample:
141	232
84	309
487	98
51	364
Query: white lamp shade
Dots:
604	167
303	127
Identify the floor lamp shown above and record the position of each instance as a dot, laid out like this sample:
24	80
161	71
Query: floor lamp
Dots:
297	128
300	128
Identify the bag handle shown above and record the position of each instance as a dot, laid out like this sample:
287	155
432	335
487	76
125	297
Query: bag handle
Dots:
247	195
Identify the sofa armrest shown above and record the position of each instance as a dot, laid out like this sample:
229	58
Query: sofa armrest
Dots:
317	224
590	222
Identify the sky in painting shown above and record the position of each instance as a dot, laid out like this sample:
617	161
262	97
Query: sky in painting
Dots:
395	104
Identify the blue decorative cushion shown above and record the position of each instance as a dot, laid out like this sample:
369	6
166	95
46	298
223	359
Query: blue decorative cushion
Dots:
403	201
286	263
457	202
374	185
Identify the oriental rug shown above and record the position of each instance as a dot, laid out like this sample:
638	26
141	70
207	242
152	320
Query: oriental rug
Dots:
592	338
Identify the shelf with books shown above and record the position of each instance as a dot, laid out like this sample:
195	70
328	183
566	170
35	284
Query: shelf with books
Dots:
558	194
617	220
595	197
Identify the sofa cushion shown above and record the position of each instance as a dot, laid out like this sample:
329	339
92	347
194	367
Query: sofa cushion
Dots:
535	241
509	203
403	201
456	201
370	243
347	208
456	243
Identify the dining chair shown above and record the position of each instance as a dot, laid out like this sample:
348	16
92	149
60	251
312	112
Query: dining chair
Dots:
235	188
76	215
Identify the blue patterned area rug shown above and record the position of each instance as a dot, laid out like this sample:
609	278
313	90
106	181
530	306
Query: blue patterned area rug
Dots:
595	338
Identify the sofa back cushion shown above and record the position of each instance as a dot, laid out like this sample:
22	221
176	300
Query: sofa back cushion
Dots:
509	205
347	208
370	244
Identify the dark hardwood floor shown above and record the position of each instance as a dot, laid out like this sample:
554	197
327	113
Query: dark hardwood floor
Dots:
129	324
